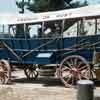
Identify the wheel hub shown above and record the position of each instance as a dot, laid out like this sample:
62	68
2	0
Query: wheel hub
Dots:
74	72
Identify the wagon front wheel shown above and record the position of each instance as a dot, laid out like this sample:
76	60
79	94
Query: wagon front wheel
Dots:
31	71
5	72
72	69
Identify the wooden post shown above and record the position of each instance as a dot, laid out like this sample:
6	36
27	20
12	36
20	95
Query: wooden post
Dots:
85	90
78	28
3	28
96	26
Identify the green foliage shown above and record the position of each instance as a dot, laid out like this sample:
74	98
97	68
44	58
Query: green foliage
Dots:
21	4
49	5
35	6
56	5
38	6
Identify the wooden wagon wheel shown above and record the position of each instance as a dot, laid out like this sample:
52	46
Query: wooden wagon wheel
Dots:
72	69
31	72
5	72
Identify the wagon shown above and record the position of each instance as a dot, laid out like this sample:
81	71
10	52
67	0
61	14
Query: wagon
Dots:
62	46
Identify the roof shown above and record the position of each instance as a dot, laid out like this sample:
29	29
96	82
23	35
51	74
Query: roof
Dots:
87	11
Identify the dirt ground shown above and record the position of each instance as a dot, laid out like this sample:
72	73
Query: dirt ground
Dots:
40	89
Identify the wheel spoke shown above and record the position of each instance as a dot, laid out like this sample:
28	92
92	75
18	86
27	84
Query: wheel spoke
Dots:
88	73
79	77
83	76
32	75
75	62
5	71
65	69
80	64
2	80
71	60
66	76
92	74
73	80
35	73
68	63
27	71
68	79
6	75
31	72
82	68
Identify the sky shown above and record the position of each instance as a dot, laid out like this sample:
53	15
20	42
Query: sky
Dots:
10	5
7	6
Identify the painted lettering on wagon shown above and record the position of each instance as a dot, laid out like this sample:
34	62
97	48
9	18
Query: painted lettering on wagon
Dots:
46	16
27	19
64	15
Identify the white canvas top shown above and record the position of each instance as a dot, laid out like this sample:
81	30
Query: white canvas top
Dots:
87	11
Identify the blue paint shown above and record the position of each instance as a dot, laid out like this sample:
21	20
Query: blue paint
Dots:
49	54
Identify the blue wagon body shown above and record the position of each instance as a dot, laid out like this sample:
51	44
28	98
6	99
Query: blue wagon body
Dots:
32	51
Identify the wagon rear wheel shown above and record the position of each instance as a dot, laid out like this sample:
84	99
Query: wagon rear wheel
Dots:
5	72
31	71
72	69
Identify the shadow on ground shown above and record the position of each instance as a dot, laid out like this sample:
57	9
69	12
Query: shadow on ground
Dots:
45	81
97	82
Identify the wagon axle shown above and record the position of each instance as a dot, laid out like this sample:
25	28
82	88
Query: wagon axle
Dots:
74	72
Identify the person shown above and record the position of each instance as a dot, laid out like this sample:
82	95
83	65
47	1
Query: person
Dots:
57	29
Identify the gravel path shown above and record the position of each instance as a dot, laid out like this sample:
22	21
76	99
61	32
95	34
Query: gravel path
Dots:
40	89
20	93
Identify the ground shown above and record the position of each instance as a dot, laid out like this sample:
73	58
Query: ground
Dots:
41	89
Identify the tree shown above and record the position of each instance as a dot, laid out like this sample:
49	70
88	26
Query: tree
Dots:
38	6
33	5
56	5
49	5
